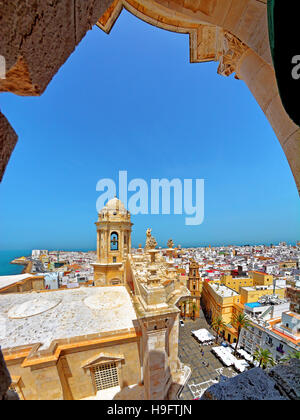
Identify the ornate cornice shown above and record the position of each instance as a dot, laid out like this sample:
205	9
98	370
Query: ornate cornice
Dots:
208	42
230	55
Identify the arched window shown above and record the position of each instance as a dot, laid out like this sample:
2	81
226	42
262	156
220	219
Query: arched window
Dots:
114	241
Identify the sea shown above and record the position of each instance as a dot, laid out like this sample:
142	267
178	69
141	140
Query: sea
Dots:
7	256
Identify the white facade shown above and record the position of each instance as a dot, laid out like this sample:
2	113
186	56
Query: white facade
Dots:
260	335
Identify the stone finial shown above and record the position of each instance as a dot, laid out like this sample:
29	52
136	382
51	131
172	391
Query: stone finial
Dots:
150	240
152	243
170	243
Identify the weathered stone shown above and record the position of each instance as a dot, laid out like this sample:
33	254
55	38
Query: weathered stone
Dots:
254	384
37	37
11	396
287	378
279	383
8	140
5	379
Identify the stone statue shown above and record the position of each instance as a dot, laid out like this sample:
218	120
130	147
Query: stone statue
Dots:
150	240
170	243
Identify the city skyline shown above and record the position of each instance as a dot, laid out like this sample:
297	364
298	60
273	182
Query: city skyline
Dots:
65	146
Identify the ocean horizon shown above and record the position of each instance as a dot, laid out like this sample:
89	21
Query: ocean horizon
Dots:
6	256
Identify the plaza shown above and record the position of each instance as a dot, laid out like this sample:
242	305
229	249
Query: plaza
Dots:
202	375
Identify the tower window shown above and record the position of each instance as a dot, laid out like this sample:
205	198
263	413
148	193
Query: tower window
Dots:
114	241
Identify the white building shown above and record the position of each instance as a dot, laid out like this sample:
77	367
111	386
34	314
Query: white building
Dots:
280	336
36	253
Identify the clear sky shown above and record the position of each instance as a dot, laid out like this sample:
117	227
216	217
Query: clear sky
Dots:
132	101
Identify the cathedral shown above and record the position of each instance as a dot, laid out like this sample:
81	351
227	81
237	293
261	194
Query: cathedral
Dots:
115	340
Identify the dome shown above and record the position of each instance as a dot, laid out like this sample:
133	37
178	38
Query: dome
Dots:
114	206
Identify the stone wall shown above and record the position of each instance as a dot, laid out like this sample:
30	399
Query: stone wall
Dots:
8	140
287	378
5	379
66	378
36	38
279	383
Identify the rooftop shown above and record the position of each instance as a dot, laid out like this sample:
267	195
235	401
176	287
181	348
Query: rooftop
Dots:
6	281
43	317
222	290
293	315
253	304
254	288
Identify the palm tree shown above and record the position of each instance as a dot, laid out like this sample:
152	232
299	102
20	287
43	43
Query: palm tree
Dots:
239	321
264	357
292	355
217	324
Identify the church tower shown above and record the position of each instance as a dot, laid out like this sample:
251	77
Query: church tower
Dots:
113	243
194	284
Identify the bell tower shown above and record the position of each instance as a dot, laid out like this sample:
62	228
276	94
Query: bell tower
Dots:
194	284
113	243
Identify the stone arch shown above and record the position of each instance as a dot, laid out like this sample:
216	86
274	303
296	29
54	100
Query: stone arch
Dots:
37	38
233	32
114	241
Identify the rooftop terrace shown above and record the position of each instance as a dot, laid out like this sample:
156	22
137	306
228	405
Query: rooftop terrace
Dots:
6	281
222	290
43	317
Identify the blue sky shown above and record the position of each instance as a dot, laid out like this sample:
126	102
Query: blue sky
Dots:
132	101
